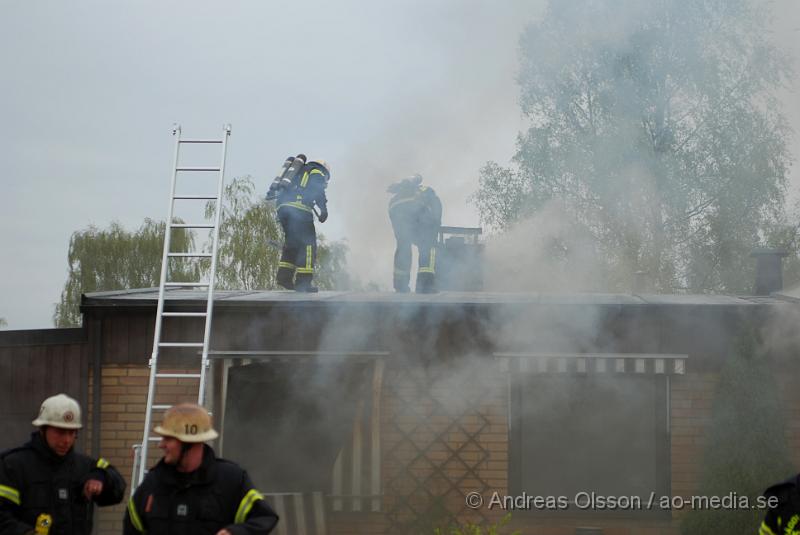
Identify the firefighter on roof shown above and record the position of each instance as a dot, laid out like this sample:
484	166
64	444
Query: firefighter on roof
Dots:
300	190
46	487
191	491
416	214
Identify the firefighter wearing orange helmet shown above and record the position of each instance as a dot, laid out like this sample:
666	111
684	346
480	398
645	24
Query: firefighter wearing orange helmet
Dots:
190	490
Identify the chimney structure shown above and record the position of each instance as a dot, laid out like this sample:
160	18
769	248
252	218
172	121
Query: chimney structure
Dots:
769	270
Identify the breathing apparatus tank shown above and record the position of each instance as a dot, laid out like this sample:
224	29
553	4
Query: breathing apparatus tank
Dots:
291	167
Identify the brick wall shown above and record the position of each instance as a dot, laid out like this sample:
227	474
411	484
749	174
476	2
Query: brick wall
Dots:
123	399
691	398
441	438
425	420
448	439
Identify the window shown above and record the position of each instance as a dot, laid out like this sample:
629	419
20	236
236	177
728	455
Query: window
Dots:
603	433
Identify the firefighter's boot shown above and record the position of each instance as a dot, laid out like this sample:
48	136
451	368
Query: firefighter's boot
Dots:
426	283
303	283
401	283
285	276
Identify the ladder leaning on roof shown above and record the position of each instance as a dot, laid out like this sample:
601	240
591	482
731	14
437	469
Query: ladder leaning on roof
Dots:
198	375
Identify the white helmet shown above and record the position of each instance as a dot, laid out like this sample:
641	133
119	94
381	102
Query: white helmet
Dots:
325	165
59	411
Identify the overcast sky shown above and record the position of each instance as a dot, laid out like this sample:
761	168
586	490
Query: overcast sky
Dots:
380	89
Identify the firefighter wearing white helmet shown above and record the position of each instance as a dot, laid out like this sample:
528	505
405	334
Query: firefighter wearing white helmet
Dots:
204	493
297	204
49	459
59	411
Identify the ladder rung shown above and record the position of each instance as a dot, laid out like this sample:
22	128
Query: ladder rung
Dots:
180	344
154	439
161	407
184	314
183	284
197	168
215	141
189	255
196	197
191	225
178	375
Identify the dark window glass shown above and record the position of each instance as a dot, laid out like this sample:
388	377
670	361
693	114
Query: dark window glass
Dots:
590	433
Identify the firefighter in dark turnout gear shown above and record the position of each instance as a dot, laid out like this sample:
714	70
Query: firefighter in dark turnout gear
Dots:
416	214
191	491
46	486
296	209
785	518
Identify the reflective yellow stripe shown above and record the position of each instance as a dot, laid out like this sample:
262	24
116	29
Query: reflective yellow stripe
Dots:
309	267
765	529
11	494
134	516
246	505
296	204
286	265
431	267
307	175
400	201
102	463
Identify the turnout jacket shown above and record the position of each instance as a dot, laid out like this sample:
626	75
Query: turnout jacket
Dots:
34	480
219	494
306	191
785	518
416	205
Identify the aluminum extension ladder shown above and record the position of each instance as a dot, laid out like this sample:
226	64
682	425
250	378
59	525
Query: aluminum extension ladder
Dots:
141	450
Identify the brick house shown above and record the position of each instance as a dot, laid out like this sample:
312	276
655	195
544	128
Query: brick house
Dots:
378	413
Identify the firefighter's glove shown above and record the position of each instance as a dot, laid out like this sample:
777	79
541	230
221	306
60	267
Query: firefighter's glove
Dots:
323	216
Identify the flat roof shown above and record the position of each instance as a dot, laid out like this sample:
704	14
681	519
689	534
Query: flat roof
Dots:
149	296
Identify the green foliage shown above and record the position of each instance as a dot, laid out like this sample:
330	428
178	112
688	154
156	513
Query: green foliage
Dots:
332	273
655	125
114	259
475	529
746	450
3	322
251	239
248	253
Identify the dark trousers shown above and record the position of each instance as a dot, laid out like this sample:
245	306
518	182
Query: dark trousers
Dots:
299	253
408	231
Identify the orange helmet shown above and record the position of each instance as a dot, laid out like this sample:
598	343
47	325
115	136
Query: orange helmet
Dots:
188	423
